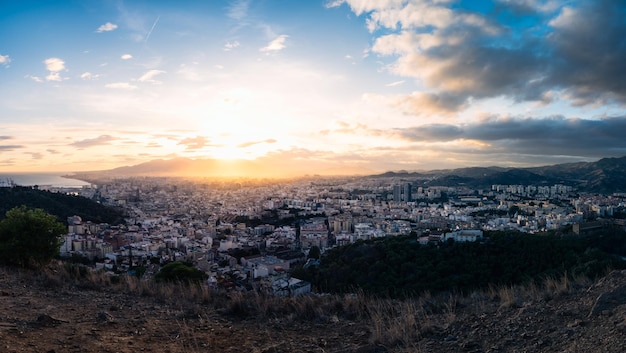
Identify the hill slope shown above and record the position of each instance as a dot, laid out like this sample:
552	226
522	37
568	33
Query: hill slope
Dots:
58	204
48	312
607	175
604	176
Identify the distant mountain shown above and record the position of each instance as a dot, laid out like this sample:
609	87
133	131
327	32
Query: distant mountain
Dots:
183	167
607	175
210	168
176	166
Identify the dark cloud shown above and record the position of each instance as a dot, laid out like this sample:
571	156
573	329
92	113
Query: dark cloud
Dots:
6	137
9	147
524	7
428	103
475	70
97	141
524	50
590	51
548	136
433	132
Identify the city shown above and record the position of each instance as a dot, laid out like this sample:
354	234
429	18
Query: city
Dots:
248	234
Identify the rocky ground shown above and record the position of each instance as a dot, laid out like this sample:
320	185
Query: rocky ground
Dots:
39	316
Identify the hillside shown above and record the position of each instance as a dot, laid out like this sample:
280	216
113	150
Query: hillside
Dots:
57	310
58	204
399	266
607	175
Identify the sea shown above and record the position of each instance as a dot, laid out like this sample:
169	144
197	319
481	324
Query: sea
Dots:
55	180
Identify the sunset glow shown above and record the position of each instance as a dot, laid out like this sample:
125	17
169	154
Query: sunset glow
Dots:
346	86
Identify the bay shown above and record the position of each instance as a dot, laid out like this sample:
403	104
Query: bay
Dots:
40	179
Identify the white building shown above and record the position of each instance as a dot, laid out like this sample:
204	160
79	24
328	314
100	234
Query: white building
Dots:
464	235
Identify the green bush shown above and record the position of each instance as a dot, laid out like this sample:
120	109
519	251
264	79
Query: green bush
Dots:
179	271
29	237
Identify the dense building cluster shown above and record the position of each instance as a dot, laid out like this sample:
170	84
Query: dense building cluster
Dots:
248	233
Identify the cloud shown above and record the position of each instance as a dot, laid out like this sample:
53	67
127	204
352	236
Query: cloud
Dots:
171	137
544	136
6	137
54	66
34	78
5	60
394	84
588	43
195	143
149	76
525	7
231	45
7	162
126	57
97	141
121	85
334	3
107	27
252	143
238	10
88	76
524	50
420	103
353	129
275	45
9	147
51	151
35	155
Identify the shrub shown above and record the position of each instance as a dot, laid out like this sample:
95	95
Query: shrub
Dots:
29	237
179	271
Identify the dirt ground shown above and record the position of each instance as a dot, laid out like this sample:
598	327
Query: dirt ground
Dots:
38	317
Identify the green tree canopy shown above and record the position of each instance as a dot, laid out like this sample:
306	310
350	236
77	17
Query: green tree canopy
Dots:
29	237
314	253
179	271
58	204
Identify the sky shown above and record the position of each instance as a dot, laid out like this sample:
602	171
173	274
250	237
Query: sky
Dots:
329	86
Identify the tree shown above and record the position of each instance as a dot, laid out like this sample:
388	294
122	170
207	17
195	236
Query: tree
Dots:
513	210
314	252
179	271
29	237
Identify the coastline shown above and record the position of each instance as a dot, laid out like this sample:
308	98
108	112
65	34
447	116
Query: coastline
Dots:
56	180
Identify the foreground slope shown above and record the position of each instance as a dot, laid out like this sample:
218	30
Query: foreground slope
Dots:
45	311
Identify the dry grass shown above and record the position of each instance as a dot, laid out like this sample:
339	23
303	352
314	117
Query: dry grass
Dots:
392	323
557	287
509	296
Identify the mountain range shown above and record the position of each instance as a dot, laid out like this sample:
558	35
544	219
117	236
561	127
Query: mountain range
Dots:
607	175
